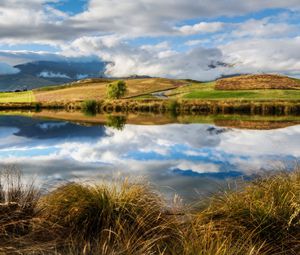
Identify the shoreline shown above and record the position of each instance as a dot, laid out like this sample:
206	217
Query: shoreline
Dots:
261	107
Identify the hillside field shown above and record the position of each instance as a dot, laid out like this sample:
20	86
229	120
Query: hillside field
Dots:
258	81
17	97
95	89
208	91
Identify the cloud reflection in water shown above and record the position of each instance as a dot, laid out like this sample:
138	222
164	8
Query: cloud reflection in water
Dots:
183	157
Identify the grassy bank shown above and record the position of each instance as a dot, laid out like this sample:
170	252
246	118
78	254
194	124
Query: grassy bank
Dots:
260	217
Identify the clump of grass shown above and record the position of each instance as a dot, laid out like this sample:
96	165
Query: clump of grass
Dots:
99	219
266	210
18	203
261	217
89	107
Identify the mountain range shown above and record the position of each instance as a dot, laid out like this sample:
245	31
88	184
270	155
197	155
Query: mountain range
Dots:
44	73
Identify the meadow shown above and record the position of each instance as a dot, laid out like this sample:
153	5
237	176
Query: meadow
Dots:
17	97
256	217
208	91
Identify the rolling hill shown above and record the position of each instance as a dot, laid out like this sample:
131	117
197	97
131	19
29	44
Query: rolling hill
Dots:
253	82
148	88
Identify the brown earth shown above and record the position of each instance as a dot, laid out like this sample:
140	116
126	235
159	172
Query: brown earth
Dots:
261	81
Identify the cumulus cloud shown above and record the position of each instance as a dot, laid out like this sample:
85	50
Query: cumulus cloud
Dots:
154	60
253	45
130	18
202	27
264	55
263	28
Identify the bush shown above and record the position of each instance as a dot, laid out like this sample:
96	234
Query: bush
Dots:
116	90
266	211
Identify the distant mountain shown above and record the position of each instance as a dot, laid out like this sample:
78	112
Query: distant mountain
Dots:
44	73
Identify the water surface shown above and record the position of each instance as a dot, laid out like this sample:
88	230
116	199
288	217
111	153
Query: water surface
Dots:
188	159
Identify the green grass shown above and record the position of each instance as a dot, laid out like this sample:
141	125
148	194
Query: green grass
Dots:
252	95
17	97
207	91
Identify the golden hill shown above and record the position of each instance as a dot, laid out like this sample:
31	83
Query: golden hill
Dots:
260	81
95	89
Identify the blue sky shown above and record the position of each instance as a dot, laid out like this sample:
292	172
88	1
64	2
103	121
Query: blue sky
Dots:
171	38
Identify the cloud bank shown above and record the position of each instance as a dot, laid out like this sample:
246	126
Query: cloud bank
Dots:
171	38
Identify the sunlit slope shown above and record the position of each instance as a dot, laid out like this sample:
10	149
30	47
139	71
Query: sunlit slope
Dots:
255	88
259	81
96	89
17	97
209	91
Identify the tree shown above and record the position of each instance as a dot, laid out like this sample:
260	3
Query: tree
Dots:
116	90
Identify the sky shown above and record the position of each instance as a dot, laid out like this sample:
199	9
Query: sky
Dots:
201	40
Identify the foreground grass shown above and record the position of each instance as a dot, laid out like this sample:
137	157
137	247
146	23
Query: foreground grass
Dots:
261	217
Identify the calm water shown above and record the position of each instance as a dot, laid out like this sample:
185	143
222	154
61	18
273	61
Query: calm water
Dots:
190	159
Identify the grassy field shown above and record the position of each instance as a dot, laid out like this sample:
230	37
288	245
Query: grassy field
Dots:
261	217
89	90
208	91
17	97
95	89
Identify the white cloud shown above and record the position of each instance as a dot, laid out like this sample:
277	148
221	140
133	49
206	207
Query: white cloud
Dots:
263	28
127	18
202	27
156	60
195	42
264	55
49	74
197	167
106	27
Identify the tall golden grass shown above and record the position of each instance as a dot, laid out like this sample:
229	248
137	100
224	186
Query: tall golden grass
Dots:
261	217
